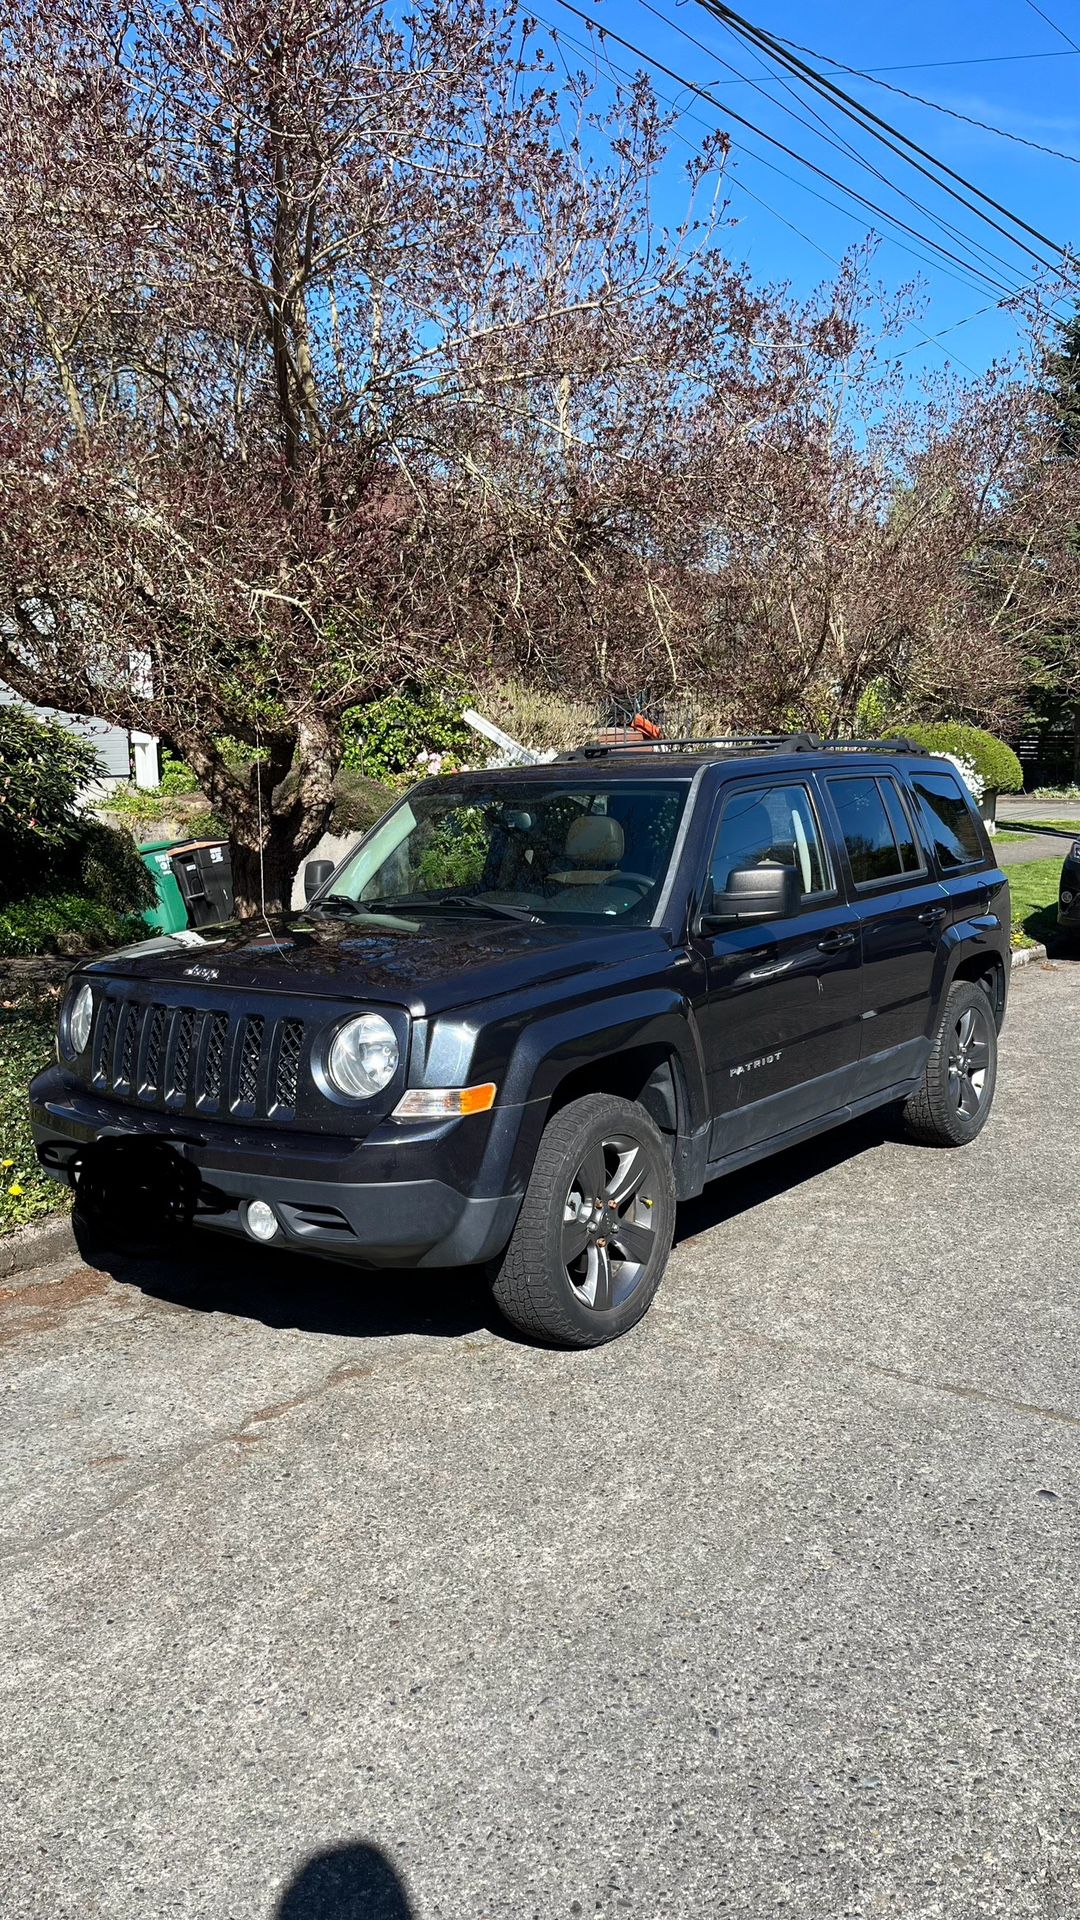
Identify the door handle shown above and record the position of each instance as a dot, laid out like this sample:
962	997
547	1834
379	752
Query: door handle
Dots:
931	915
833	942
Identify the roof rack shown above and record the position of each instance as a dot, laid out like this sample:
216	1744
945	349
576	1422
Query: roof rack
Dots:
749	743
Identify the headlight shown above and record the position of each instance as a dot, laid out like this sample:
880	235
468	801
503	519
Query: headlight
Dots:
363	1056
1074	851
77	1024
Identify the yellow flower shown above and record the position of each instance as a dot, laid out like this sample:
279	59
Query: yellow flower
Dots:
7	1163
15	1190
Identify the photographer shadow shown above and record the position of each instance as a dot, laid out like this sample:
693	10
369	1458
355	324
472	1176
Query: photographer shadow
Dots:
351	1882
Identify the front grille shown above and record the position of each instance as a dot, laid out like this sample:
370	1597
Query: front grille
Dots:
194	1060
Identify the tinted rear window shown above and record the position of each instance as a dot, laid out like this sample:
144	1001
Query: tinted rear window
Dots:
868	835
949	817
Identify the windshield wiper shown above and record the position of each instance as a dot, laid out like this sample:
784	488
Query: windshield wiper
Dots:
341	903
494	908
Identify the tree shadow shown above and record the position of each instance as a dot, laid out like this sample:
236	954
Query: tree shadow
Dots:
209	1273
351	1882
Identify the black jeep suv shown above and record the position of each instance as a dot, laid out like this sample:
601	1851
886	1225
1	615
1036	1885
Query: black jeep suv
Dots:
537	1007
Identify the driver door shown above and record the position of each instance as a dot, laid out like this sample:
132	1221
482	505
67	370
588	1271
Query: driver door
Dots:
779	1019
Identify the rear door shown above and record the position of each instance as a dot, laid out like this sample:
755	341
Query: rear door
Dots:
957	838
901	909
779	1019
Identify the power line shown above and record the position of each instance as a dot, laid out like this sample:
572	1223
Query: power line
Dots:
987	126
848	105
560	36
932	66
1067	37
822	173
844	146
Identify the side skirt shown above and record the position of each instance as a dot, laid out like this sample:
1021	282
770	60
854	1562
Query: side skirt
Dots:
745	1157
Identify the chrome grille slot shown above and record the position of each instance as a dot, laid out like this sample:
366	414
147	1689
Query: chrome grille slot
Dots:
290	1050
210	1087
183	1035
247	1060
128	1043
103	1045
150	1076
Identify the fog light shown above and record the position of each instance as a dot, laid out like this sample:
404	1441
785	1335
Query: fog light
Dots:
1066	897
262	1221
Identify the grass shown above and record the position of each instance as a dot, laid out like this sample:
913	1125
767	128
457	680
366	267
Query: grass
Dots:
26	1045
1031	827
1034	888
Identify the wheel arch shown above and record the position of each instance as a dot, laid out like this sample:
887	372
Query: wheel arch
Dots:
986	969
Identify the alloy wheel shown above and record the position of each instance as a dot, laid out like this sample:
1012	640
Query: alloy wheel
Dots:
608	1235
969	1061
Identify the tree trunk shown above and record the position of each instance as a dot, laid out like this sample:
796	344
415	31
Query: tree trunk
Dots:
273	880
281	809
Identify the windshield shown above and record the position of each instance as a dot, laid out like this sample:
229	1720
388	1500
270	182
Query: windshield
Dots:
528	849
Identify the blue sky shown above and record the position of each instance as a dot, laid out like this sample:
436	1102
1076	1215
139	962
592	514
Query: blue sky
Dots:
952	55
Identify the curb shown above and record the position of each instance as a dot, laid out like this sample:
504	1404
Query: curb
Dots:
1024	956
32	1246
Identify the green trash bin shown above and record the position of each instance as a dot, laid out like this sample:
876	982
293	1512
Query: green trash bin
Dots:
171	914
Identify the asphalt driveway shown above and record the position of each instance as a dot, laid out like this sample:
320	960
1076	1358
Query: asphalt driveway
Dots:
323	1599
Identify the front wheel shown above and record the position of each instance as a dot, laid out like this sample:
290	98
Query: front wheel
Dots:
953	1100
595	1228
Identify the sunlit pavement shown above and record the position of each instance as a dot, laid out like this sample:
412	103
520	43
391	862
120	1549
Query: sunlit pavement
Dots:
769	1608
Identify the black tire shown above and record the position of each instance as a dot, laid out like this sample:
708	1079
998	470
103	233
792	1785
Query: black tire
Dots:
584	1298
952	1102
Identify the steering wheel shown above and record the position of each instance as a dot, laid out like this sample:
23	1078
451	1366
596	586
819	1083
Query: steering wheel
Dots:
645	881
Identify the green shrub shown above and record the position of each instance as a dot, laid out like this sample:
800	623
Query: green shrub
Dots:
66	923
110	870
176	775
996	764
26	1045
384	739
358	802
43	769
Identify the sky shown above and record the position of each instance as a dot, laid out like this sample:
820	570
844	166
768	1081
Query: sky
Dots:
961	55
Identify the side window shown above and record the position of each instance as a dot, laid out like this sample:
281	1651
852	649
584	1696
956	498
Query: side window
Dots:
911	859
949	818
771	826
867	830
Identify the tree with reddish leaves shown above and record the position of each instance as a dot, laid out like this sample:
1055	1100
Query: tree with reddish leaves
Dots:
340	348
290	296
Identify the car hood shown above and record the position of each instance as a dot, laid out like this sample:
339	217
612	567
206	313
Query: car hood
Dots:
427	965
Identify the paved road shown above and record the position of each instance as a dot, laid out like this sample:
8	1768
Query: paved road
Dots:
324	1600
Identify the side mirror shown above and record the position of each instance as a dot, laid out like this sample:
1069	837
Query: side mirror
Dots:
754	893
316	875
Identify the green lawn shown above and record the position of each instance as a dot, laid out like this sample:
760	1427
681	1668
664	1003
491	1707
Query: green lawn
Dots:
26	1044
1034	888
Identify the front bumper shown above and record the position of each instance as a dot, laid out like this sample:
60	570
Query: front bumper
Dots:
333	1196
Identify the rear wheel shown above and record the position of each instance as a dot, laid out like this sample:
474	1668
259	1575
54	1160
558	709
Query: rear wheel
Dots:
952	1103
595	1228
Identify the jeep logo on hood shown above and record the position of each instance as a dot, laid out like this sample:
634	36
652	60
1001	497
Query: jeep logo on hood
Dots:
201	973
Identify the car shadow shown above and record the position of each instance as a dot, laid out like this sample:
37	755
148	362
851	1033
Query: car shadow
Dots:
350	1882
207	1273
739	1193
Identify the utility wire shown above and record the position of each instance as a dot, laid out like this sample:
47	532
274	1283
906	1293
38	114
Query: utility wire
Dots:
930	66
889	134
729	113
1053	23
986	126
561	37
825	132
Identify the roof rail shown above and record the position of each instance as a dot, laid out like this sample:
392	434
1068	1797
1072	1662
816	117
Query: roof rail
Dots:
749	743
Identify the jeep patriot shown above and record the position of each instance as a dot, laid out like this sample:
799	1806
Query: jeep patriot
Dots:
535	1008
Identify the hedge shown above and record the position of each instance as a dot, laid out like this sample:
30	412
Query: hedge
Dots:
996	764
